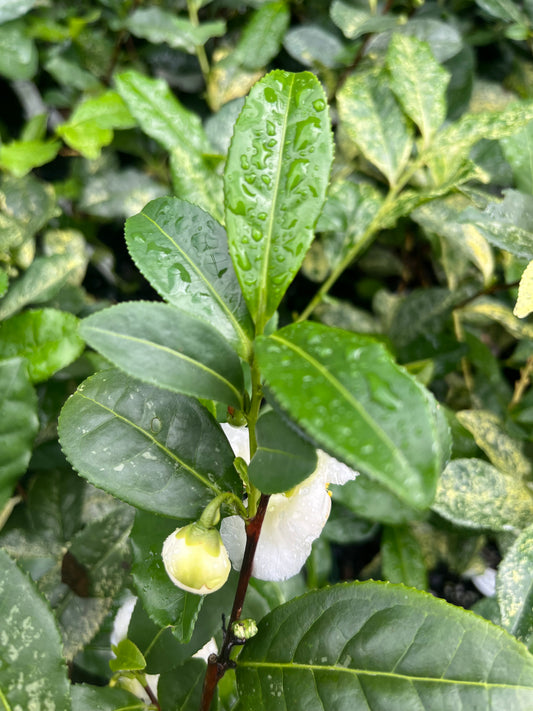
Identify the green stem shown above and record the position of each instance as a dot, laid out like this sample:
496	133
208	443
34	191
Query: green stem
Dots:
200	50
252	417
211	514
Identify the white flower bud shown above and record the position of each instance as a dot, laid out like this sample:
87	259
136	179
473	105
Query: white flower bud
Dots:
195	559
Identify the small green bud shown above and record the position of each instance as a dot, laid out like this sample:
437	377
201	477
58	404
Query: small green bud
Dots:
244	629
195	559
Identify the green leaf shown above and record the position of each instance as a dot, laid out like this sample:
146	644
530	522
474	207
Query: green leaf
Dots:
514	586
18	53
472	493
373	120
104	698
169	348
143	444
345	391
401	557
181	689
183	253
261	39
4	282
314	46
370	645
128	657
157	26
419	83
518	151
11	9
283	458
504	451
18	423
119	193
19	157
180	131
47	339
275	183
163	601
91	125
33	673
354	21
502	9
40	282
524	302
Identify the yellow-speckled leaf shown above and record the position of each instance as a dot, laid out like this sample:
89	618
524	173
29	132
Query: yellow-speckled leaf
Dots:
514	586
505	452
524	303
496	311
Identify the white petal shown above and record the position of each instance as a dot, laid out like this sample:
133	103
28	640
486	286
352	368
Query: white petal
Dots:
239	441
332	471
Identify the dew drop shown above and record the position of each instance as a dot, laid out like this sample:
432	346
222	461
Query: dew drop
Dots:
243	262
271	129
257	236
270	95
156	425
319	105
245	164
262	216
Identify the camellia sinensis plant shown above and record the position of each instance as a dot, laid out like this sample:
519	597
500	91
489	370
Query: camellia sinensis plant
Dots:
228	433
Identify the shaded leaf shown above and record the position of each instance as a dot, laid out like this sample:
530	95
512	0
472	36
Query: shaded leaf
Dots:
47	339
518	150
33	673
261	39
401	557
157	25
355	21
181	689
169	348
11	9
18	53
472	493
275	182
375	123
163	601
370	645
18	423
119	193
283	459
104	698
183	253
314	46
514	586
157	450
345	391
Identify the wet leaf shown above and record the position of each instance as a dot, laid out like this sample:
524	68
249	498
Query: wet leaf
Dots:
48	340
345	391
33	673
275	182
167	347
157	450
18	423
474	494
183	253
374	121
514	586
372	646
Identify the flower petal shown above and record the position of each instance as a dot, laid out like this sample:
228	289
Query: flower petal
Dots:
239	441
333	471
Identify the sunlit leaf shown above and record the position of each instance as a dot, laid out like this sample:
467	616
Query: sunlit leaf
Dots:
19	157
514	586
524	302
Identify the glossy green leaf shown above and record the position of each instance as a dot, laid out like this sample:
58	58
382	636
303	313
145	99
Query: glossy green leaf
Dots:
472	493
91	125
504	451
261	39
183	253
165	603
104	698
128	657
514	586
502	9
181	689
518	150
275	183
283	458
48	340
11	9
159	451
345	391
180	131
19	157
401	557
157	26
119	193
373	646
18	53
33	673
18	423
374	121
443	38
524	302
40	282
168	348
419	83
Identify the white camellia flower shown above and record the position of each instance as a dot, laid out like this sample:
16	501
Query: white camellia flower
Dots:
195	559
293	520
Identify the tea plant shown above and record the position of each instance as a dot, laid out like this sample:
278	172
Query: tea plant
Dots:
219	423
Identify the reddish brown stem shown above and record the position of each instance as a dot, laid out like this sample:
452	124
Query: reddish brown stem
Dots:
218	665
